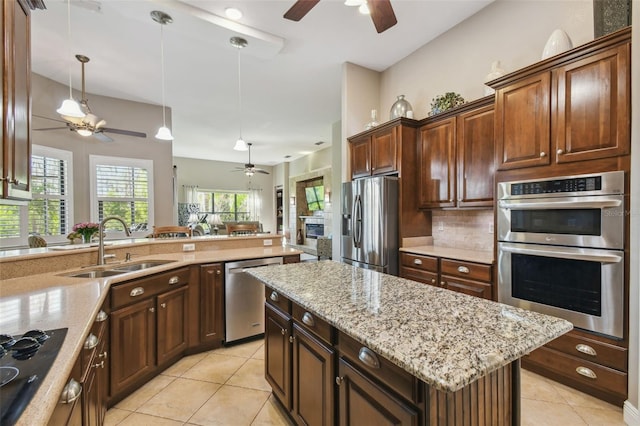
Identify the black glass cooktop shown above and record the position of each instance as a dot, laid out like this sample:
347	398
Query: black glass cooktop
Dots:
25	362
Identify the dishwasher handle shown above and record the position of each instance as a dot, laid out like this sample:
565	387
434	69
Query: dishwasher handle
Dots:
242	269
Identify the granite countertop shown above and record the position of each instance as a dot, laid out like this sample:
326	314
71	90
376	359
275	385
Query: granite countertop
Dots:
478	256
51	300
444	338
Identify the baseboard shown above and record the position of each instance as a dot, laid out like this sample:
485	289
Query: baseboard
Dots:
631	414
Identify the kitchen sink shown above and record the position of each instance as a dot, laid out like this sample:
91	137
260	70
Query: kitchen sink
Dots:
119	269
141	265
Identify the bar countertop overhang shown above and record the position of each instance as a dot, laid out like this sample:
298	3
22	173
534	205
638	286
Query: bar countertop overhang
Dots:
444	338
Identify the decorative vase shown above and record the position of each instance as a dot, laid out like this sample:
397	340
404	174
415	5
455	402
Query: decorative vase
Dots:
558	42
86	238
496	72
401	108
374	120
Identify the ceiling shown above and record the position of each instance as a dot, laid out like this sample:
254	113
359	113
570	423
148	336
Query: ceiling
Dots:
291	71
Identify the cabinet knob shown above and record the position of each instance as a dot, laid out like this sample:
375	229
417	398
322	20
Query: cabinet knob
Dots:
218	272
274	296
104	355
560	151
152	310
291	339
283	331
586	349
586	372
442	283
543	154
433	280
163	305
339	380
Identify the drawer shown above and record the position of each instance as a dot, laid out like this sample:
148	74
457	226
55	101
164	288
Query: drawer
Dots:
468	270
380	369
278	300
591	350
312	323
425	263
132	291
418	275
578	370
93	340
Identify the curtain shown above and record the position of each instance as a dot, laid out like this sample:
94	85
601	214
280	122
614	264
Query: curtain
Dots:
255	204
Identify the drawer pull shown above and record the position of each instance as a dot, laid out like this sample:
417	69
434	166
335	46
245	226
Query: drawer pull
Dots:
103	355
138	291
417	261
274	296
71	392
91	342
307	318
586	372
368	357
463	269
102	316
586	349
174	280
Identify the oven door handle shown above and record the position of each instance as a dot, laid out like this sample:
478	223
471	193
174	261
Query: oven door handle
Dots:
577	204
578	254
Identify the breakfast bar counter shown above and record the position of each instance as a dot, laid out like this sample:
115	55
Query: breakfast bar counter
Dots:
446	340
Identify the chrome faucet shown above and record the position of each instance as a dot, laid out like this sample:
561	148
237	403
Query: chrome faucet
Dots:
101	236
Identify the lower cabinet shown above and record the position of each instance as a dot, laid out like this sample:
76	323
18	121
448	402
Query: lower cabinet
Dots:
277	353
212	304
149	328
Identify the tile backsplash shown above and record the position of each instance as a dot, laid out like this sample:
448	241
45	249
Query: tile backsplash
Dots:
463	229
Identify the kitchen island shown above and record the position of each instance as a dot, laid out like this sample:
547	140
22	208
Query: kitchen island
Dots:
461	352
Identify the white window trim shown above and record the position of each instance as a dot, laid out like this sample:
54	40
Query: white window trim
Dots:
94	161
47	151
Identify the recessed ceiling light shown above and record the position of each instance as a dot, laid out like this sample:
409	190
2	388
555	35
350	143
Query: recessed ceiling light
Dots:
319	143
287	156
233	13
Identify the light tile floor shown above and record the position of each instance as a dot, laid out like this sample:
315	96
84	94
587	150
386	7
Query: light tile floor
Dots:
226	387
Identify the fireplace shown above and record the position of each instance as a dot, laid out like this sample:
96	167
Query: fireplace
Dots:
314	230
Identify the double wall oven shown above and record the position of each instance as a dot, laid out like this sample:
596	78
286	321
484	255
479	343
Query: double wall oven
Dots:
561	248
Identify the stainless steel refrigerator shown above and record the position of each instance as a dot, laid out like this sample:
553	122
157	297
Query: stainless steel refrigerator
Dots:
370	223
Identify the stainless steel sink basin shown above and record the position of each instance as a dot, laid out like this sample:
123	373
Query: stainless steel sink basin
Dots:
141	265
97	273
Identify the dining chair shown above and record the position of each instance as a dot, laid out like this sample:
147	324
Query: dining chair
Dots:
171	232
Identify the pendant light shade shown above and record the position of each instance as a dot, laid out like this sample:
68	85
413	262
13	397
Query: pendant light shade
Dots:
241	145
164	133
239	43
70	107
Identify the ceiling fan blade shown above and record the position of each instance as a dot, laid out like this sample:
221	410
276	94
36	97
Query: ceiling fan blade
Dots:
51	128
124	132
382	14
299	9
264	172
102	137
48	118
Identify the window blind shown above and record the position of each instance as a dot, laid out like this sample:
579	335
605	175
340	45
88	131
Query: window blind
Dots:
49	208
122	191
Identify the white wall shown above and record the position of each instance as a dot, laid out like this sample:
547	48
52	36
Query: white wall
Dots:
46	98
220	175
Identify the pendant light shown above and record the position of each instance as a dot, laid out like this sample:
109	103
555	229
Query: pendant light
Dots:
164	133
70	107
239	43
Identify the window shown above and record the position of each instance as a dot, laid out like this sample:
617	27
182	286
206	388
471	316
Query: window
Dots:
50	212
122	187
231	206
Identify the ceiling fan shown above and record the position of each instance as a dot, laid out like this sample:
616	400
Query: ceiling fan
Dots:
250	169
90	124
380	10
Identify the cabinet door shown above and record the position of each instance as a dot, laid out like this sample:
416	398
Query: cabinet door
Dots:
475	145
172	308
277	354
384	152
16	113
360	150
212	303
470	287
95	386
592	107
133	344
523	123
363	402
437	164
313	379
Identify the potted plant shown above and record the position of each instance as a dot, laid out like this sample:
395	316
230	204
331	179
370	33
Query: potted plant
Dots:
445	102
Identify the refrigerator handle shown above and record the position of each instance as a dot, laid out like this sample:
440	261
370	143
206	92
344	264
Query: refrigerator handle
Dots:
357	222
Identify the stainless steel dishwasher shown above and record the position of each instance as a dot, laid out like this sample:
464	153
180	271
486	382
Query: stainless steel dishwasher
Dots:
244	299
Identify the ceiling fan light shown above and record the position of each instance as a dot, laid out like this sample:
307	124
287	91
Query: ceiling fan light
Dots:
240	145
71	108
364	9
84	132
233	13
164	134
248	172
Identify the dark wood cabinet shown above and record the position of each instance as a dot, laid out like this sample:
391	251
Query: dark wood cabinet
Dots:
569	108
456	157
360	150
69	412
313	379
16	100
374	152
279	210
364	402
172	331
212	303
277	350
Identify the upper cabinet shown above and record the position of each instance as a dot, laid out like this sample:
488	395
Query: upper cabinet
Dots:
16	101
572	107
374	153
456	154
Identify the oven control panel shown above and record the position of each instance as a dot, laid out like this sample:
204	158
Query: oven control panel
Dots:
580	184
